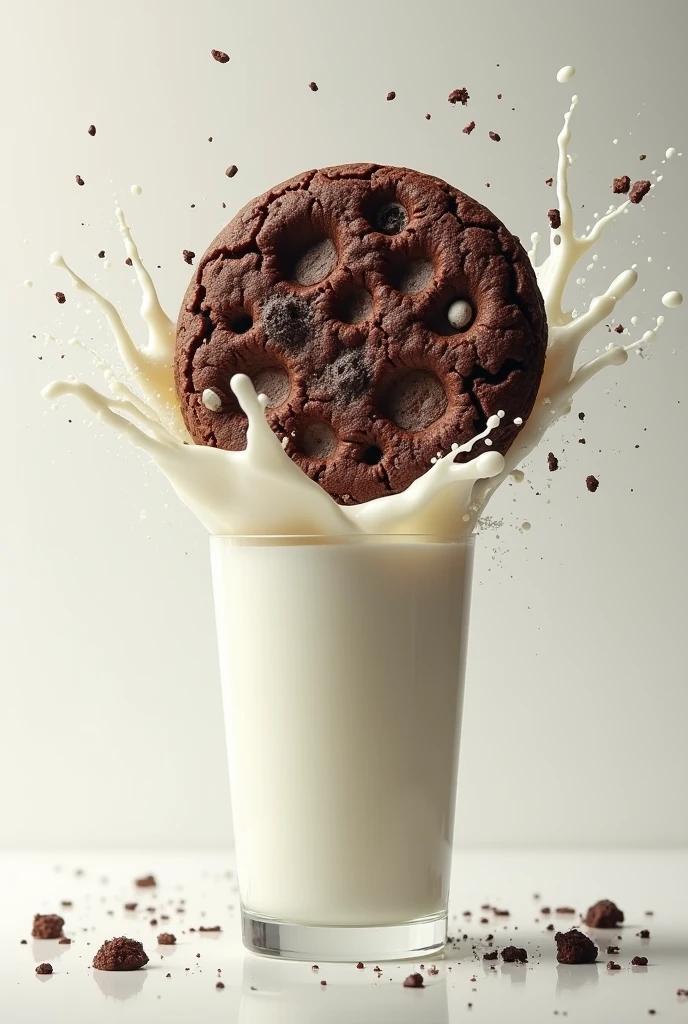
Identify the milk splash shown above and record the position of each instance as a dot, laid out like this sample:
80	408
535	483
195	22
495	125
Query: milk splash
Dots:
261	491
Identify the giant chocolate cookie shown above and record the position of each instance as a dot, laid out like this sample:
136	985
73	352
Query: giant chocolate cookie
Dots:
384	314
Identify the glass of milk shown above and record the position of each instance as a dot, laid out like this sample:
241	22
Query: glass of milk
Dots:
342	665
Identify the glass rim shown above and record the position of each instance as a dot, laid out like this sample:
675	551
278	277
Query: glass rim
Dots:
346	538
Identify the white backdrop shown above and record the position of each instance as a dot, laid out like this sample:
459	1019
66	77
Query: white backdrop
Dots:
576	708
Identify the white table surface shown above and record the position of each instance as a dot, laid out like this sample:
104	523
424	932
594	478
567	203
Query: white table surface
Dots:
262	991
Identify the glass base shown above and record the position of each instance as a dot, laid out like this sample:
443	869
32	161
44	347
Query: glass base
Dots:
348	944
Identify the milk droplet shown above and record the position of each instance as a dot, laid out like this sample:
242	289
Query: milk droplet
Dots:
634	321
142	514
518	421
136	190
670	152
565	74
211	400
518	476
525	526
672	299
28	284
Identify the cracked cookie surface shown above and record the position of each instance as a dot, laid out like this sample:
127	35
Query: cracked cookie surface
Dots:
384	313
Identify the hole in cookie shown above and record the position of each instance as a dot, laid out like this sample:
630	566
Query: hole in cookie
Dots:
315	263
241	323
412	277
317	440
273	382
287	320
385	213
371	455
414	399
353	306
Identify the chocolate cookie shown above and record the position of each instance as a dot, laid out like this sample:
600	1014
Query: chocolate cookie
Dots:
384	314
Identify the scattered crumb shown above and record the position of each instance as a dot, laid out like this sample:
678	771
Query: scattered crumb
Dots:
64	941
219	984
573	947
120	954
611	966
643	934
495	137
565	910
514	955
428	116
313	86
604	914
549	181
231	170
621	185
130	906
188	256
611	950
79	180
643	156
459	96
554	218
413	981
592	483
129	264
47	926
391	95
61	297
467	129
639	961
166	939
44	969
214	928
220	56
101	254
639	190
490	956
552	462
360	966
148	880
91	129
581	415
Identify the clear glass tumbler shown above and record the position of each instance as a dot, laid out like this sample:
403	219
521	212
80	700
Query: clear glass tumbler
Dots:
342	664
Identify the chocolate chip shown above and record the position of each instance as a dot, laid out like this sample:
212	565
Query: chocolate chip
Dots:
621	185
391	95
220	56
639	191
231	170
78	179
495	137
552	462
413	981
91	129
467	129
459	96
554	218
313	86
44	969
188	256
639	961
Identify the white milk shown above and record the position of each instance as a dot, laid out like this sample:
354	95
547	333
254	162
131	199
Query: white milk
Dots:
342	671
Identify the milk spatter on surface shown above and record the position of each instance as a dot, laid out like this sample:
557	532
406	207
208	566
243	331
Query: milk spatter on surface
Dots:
261	491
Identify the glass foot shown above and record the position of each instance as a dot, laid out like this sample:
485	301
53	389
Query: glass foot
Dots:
346	944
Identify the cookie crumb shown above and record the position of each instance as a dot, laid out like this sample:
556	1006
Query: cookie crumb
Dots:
611	966
639	961
101	254
621	185
459	96
323	983
514	955
166	939
44	969
47	926
495	137
23	942
639	190
550	927
611	950
414	981
313	86
360	966
148	880
214	928
490	956
91	129
79	180
467	129
604	914
552	462
120	954
682	993
220	56
64	941
592	483
643	156
231	170
565	910
554	218
219	984
188	256
581	415
619	328
573	947
391	95
130	906
643	934
129	264
428	116
549	181
61	297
